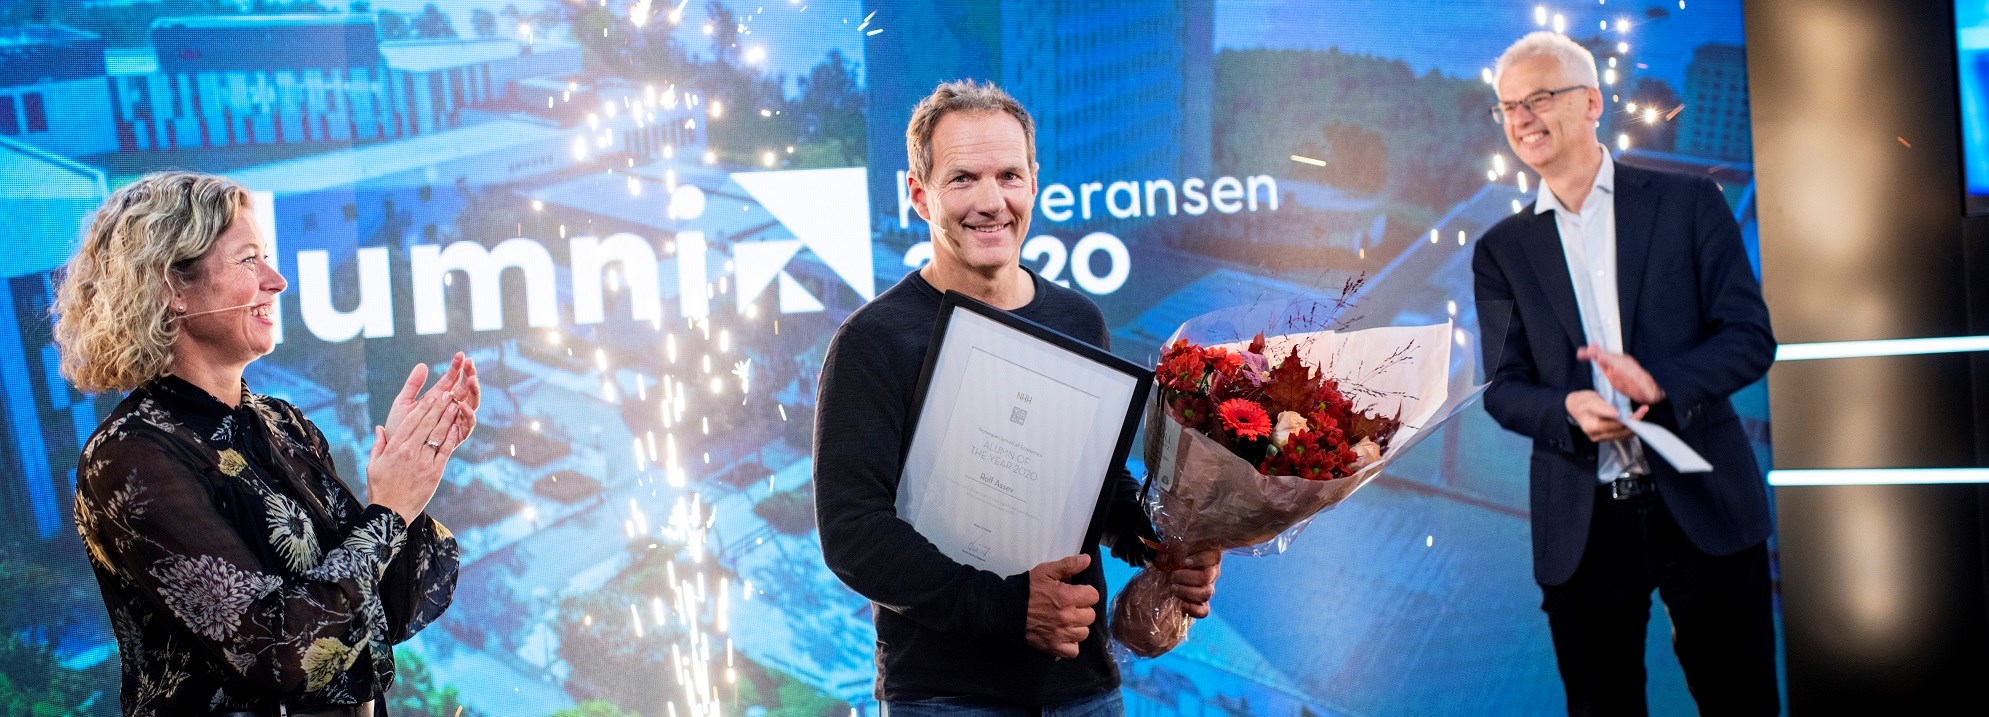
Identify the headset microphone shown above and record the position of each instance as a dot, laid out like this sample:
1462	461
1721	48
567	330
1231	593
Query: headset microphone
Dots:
216	311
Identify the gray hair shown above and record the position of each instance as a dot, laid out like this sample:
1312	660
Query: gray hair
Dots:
960	96
1577	63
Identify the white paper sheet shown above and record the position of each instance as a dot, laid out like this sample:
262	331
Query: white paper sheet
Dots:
1668	445
1005	466
1012	447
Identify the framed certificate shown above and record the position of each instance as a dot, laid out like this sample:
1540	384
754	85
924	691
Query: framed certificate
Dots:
1015	429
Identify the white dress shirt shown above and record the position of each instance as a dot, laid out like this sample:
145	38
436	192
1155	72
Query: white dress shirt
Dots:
1588	242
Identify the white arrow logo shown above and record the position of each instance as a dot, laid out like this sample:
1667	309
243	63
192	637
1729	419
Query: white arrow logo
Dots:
828	211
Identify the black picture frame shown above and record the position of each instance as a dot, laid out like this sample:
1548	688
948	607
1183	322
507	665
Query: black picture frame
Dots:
1142	376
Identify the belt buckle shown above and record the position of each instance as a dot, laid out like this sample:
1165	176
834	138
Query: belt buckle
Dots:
1628	485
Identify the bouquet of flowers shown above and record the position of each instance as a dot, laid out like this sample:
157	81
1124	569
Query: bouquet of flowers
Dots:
1246	441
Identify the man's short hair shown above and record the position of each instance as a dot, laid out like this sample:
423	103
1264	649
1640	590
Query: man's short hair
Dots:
960	96
1577	64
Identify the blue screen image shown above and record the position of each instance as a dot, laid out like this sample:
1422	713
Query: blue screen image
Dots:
645	222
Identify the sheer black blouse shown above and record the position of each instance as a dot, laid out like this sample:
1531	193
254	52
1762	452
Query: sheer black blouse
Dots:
240	574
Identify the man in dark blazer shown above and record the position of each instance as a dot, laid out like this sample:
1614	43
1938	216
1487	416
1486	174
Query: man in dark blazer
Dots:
1626	294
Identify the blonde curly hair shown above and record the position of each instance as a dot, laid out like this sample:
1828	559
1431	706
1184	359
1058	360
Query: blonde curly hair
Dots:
114	324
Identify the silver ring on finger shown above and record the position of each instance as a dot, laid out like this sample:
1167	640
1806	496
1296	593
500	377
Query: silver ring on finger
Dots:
433	444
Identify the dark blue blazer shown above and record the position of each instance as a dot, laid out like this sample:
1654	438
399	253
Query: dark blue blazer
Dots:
1691	314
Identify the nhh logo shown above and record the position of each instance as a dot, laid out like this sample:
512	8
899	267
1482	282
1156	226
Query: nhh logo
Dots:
828	212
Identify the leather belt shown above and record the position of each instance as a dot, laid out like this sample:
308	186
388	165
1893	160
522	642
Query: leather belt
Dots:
1632	486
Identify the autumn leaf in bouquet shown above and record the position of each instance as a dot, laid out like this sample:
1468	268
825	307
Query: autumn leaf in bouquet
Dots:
1249	438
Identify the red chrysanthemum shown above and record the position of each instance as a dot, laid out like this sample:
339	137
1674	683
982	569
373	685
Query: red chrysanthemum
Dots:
1182	368
1244	418
1224	360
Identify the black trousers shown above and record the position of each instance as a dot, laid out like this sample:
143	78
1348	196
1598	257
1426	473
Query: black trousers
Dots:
1721	614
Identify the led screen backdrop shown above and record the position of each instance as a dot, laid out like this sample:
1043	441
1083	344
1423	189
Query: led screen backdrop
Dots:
1971	38
645	220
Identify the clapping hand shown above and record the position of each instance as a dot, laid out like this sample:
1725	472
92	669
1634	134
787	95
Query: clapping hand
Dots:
410	451
1624	374
471	394
1598	419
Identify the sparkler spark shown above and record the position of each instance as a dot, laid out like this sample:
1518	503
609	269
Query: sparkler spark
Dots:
1308	160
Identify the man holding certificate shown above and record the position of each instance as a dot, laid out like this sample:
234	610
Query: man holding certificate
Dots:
952	637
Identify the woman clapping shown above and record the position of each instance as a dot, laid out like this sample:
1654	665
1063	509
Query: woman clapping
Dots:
241	576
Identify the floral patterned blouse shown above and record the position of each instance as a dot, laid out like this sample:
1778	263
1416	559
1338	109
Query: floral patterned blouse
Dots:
239	572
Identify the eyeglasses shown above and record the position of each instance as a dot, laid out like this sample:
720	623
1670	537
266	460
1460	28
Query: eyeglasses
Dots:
1537	103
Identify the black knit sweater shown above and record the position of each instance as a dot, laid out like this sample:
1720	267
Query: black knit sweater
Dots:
943	628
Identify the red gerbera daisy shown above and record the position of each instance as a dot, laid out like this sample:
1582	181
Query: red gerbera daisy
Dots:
1244	418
